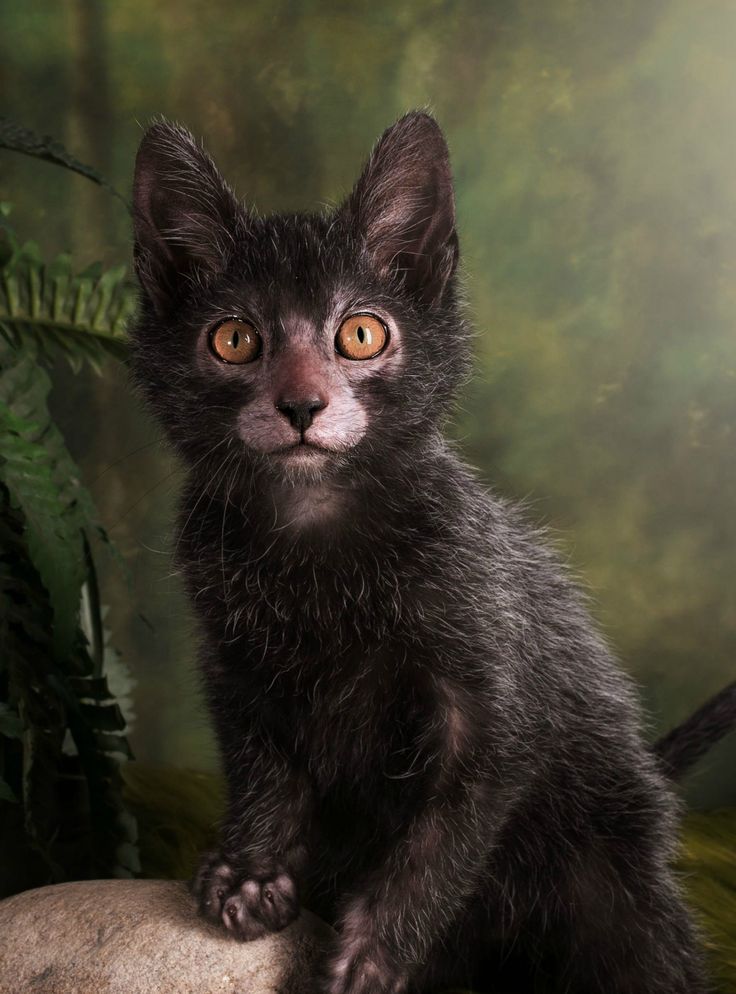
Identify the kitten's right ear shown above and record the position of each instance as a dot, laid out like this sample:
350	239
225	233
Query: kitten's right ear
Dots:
403	206
184	214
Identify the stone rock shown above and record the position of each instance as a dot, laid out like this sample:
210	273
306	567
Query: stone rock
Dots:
143	937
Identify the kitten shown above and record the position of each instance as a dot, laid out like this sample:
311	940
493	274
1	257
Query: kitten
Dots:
425	739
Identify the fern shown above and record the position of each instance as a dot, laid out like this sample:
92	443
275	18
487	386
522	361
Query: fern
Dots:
48	310
51	675
33	729
43	484
61	739
62	732
16	138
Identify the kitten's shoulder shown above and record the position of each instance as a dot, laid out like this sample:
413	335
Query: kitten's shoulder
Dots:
520	563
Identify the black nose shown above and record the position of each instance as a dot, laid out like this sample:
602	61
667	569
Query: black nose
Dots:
301	412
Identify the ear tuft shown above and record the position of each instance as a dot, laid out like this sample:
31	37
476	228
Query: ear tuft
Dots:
403	206
184	214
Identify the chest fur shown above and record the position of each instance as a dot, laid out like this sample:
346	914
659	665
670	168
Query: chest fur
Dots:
356	719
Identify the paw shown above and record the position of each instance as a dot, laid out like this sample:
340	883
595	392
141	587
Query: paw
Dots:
249	900
361	966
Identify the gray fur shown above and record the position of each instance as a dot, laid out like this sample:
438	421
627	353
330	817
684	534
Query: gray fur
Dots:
425	738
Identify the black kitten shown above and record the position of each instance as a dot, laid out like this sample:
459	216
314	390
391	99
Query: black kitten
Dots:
424	737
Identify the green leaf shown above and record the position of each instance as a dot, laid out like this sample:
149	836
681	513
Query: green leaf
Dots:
9	243
97	726
11	725
16	138
91	613
6	792
72	809
105	717
47	310
42	481
26	648
27	656
62	733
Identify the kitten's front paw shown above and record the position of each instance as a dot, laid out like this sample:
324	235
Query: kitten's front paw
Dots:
248	900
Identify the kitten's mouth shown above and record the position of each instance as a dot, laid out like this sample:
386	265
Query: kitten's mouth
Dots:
302	451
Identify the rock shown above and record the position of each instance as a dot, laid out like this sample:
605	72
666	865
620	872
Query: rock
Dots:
143	937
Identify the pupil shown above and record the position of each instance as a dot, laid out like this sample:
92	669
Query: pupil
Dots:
361	334
235	340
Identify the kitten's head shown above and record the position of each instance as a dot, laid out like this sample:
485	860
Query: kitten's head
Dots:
306	345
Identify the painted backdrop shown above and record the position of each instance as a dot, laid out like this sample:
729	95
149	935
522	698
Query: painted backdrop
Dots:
593	147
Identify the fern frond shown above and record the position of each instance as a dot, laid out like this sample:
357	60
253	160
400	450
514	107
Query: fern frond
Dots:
62	733
17	138
68	786
98	729
49	310
43	483
33	728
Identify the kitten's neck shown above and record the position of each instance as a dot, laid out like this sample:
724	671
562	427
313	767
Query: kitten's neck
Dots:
365	502
312	506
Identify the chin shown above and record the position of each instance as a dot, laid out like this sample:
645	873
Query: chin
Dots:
304	464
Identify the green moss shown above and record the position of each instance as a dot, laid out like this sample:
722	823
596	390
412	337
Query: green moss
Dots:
709	867
178	810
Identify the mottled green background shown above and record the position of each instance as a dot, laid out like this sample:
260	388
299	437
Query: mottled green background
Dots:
593	146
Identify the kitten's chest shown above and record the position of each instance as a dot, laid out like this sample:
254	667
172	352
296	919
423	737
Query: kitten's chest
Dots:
301	607
358	721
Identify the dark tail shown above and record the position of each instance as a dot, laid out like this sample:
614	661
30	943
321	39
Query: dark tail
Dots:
683	746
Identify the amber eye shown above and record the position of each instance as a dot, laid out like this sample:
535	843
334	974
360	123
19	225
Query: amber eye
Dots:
361	337
235	341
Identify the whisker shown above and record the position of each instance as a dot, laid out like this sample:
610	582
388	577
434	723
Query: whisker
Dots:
134	505
226	440
128	455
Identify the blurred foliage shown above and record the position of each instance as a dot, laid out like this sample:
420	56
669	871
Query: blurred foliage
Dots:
47	311
62	734
710	877
178	811
592	145
16	138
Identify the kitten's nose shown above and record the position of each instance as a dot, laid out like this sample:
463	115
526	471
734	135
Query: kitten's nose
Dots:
301	412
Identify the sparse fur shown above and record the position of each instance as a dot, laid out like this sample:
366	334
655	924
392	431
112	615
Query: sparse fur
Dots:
424	737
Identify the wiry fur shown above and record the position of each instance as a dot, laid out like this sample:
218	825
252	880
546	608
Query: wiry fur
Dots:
423	734
684	745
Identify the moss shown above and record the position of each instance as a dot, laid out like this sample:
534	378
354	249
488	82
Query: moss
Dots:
178	810
709	867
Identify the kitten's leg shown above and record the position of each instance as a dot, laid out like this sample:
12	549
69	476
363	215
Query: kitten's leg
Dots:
250	885
405	907
625	931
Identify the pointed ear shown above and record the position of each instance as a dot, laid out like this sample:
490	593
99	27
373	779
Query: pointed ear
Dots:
403	206
184	214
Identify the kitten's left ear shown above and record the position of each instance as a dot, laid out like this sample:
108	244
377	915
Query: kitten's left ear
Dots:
403	206
184	214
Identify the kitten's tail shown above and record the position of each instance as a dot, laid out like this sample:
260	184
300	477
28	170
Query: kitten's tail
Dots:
681	748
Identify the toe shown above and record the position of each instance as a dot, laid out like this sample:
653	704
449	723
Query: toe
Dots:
238	920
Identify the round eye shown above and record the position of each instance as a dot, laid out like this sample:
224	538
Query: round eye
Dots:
235	341
361	337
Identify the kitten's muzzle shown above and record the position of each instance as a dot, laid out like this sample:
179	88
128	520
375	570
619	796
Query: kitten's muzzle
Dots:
300	412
